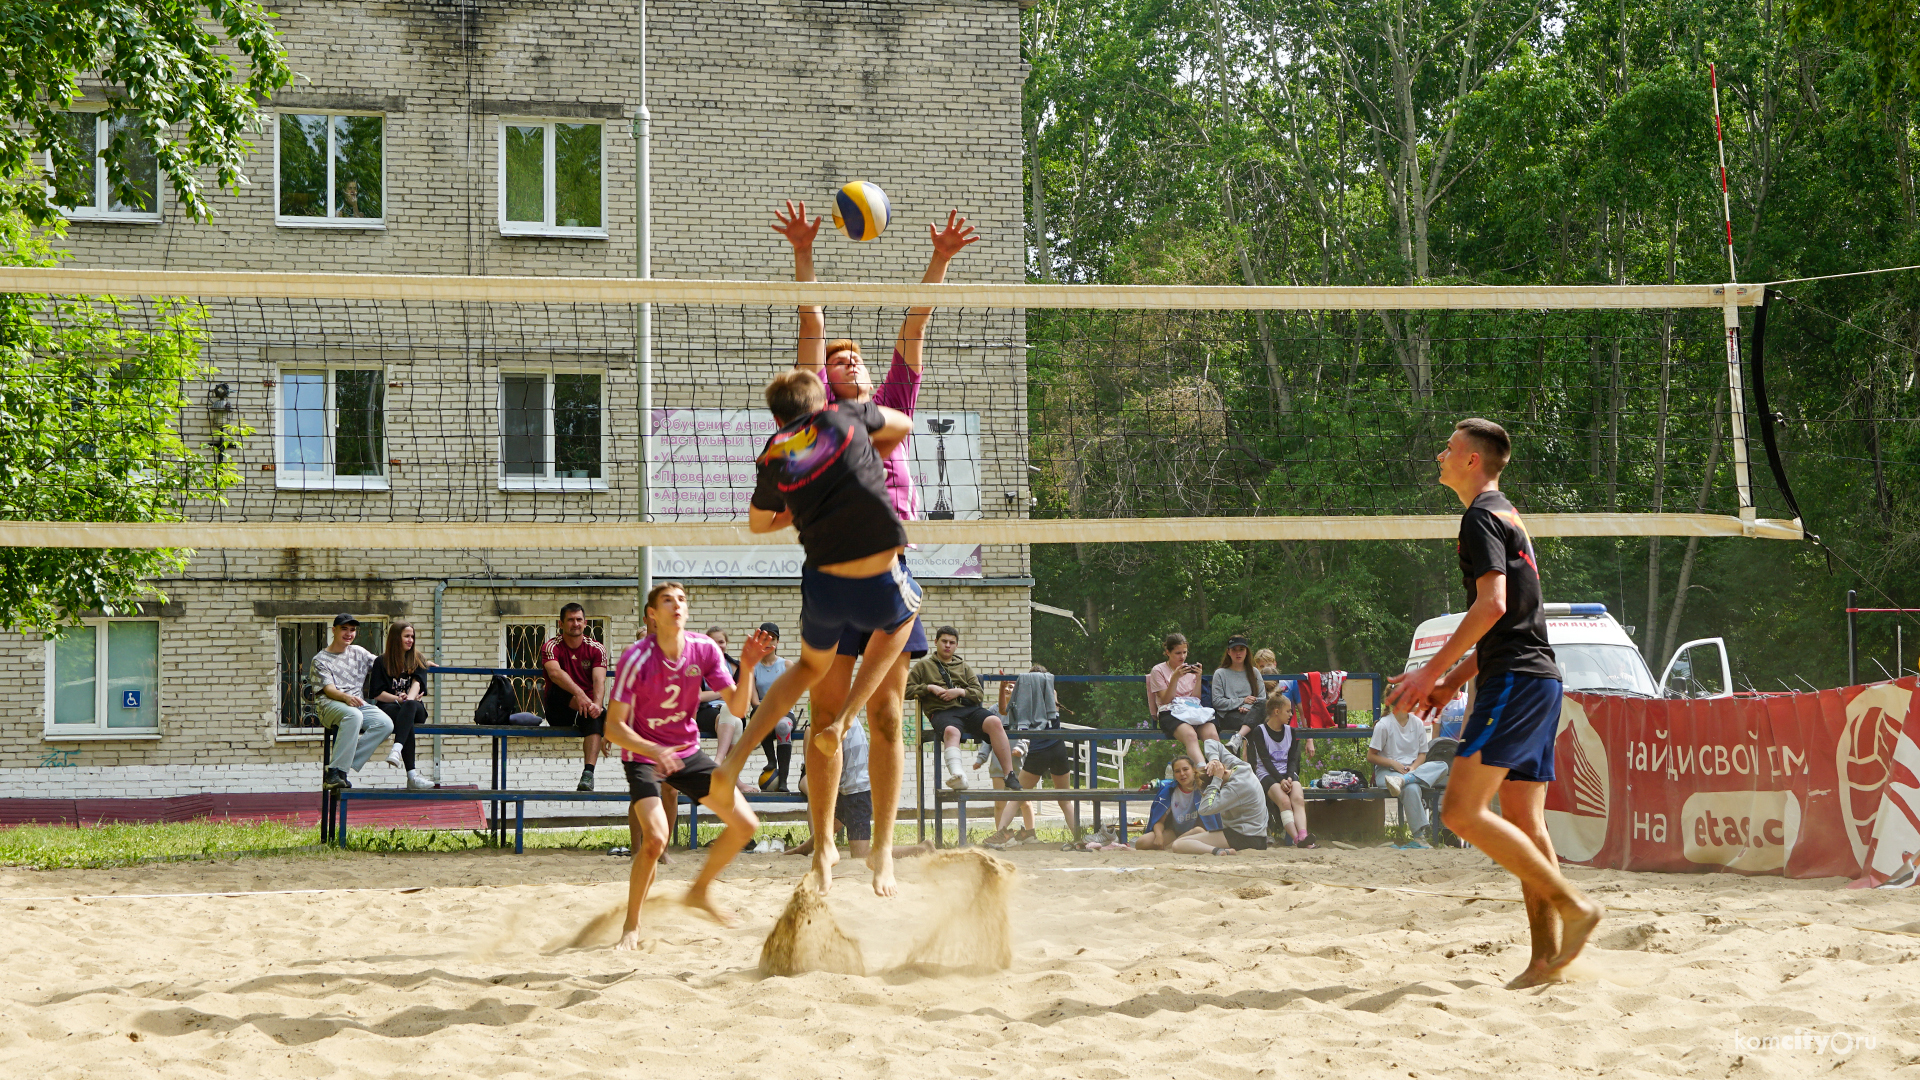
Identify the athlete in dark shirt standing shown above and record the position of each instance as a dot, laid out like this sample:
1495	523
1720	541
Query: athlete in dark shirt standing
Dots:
1506	747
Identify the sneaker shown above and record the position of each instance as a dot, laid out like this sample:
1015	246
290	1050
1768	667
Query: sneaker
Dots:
1417	844
1306	841
1025	836
586	780
335	780
1013	782
1395	783
416	782
621	852
956	781
395	757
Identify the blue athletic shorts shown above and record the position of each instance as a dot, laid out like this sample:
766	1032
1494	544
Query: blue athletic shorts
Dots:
831	606
854	642
1515	720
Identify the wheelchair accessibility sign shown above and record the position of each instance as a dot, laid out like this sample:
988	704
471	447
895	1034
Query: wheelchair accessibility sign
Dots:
129	699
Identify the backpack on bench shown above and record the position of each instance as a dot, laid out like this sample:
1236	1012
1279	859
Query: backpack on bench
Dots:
496	705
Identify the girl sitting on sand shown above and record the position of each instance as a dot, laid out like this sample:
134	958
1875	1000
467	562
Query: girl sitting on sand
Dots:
1176	807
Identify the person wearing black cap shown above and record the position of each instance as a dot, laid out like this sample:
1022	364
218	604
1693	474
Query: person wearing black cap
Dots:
340	671
778	745
1239	693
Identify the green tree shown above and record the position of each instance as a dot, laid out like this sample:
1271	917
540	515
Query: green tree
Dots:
90	397
170	78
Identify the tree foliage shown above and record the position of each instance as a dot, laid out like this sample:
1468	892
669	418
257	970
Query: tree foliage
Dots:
1462	141
170	76
90	399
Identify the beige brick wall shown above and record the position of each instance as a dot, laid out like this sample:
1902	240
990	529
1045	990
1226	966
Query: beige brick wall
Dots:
752	102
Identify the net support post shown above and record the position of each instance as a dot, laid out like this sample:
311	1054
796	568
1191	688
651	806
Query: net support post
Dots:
1737	401
643	318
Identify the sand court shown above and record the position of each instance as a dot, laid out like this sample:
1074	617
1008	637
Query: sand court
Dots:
1120	965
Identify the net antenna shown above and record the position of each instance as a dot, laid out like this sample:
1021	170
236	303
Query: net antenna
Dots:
448	412
1731	316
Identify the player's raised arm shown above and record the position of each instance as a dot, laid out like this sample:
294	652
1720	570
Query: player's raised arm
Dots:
898	426
947	243
793	224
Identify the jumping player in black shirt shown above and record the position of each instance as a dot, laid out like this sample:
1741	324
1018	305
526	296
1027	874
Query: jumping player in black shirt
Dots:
821	473
1507	744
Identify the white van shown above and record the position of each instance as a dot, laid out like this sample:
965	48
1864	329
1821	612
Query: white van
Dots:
1596	655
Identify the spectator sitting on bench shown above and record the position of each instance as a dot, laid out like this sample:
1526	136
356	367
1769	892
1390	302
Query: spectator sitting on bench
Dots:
854	809
1398	754
1239	693
1175	689
949	693
394	683
1273	746
1176	810
1233	809
781	740
1032	704
576	686
359	726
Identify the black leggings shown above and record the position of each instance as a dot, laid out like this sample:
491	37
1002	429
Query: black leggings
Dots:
404	715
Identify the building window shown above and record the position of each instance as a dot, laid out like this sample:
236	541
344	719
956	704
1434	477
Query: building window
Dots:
331	170
520	648
552	182
299	699
332	428
550	424
104	679
85	180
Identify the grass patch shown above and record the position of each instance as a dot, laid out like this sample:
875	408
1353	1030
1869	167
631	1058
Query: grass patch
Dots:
55	847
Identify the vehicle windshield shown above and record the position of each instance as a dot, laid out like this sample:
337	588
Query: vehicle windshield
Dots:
1604	669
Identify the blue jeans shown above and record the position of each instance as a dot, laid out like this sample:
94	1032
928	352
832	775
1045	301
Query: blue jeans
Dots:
357	731
1413	804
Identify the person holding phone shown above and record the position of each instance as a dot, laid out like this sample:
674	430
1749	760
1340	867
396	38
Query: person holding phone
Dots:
1174	687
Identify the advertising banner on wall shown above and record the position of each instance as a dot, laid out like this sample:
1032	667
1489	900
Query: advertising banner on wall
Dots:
1804	785
703	470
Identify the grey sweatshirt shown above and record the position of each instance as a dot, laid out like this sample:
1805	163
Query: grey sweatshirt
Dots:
1238	800
1229	686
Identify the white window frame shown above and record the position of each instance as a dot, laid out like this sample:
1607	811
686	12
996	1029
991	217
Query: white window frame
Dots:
546	227
99	732
101	210
283	477
546	483
378	224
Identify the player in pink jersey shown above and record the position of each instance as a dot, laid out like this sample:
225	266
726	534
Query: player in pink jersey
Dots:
841	367
651	719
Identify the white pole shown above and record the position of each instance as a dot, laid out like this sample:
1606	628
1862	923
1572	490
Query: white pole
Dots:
1737	399
643	324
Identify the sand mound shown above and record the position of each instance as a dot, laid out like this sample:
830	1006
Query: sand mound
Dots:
807	937
969	930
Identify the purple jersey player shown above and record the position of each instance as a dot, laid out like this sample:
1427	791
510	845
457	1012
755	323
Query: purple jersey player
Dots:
656	689
841	367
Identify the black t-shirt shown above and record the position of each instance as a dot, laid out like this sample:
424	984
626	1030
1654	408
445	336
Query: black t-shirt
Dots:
379	682
1492	539
824	468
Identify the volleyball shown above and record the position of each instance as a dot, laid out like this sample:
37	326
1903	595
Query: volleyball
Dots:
860	210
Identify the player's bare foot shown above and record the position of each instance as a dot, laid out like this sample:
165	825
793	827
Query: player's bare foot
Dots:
699	900
1536	974
880	861
1577	920
825	856
629	941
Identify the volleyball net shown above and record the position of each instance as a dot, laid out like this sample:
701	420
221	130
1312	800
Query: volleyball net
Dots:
246	410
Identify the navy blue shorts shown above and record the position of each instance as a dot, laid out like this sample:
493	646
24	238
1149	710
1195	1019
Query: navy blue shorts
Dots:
1514	723
831	606
854	642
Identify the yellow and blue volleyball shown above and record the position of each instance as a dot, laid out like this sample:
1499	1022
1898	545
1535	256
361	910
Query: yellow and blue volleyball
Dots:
860	210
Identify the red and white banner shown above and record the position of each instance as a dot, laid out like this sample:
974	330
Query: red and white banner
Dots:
1804	785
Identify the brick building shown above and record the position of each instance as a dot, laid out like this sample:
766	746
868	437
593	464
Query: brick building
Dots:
494	139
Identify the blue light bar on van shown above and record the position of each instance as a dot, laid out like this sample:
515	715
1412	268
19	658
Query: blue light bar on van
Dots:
1581	610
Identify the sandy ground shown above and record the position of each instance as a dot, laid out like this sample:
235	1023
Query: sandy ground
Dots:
1124	965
